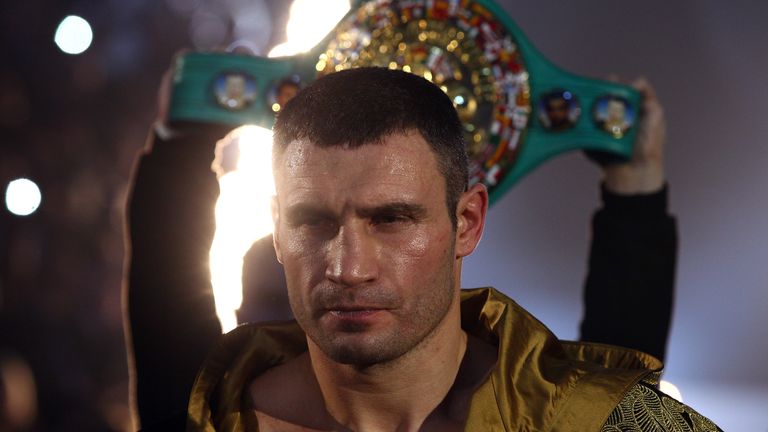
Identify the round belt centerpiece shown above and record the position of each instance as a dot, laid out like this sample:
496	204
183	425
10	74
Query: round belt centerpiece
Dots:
465	51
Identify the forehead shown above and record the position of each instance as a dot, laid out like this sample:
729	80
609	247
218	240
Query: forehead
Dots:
402	166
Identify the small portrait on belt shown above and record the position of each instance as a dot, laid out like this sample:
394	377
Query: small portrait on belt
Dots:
559	110
283	91
614	115
234	90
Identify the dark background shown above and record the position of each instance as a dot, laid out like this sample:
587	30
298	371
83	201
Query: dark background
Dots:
74	125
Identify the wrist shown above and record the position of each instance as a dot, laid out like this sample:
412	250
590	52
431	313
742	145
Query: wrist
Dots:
635	205
634	180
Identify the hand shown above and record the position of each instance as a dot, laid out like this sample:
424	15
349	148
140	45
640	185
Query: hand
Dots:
644	172
162	125
164	91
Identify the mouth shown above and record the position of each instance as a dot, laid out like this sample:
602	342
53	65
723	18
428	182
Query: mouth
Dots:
353	312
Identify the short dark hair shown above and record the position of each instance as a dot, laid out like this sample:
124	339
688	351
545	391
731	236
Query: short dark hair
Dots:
365	105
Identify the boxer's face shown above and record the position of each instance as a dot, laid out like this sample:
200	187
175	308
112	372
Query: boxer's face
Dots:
367	245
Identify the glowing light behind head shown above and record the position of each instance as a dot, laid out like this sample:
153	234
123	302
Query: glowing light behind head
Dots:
310	21
242	215
243	209
73	35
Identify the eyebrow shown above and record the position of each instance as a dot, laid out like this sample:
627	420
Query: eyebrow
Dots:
298	211
413	211
302	210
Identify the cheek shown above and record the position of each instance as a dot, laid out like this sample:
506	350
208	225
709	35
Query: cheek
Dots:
296	246
302	261
302	275
418	250
302	270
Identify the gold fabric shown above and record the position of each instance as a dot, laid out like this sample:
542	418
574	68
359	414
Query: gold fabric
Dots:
646	409
538	383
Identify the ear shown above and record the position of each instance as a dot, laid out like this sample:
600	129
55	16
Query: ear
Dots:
275	208
470	219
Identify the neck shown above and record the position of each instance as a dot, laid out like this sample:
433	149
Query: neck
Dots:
398	395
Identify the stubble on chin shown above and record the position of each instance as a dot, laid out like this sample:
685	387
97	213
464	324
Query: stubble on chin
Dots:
362	345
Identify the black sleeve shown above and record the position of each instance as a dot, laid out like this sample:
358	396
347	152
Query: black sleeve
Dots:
630	283
170	306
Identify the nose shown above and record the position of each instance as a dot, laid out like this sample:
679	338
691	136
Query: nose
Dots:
352	256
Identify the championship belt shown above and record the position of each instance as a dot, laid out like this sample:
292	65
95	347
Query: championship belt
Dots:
518	109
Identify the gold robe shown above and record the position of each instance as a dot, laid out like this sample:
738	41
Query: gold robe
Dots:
539	383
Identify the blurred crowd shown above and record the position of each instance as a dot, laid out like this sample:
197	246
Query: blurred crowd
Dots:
74	124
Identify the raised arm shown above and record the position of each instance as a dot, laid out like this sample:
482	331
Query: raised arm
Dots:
630	283
169	302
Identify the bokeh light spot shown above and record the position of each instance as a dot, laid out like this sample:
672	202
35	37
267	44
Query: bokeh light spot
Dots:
208	29
22	197
671	390
73	35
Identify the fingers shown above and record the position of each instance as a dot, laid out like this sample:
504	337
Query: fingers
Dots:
651	101
642	85
652	128
644	173
163	96
164	91
180	52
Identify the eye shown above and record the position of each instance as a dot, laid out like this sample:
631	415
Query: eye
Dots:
318	223
389	219
312	222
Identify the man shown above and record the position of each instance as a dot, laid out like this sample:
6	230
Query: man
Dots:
171	316
373	217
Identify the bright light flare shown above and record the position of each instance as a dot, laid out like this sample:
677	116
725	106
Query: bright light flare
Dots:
22	197
73	35
243	209
309	22
671	390
242	216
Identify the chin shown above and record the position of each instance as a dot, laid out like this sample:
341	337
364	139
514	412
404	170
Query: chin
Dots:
361	360
362	354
